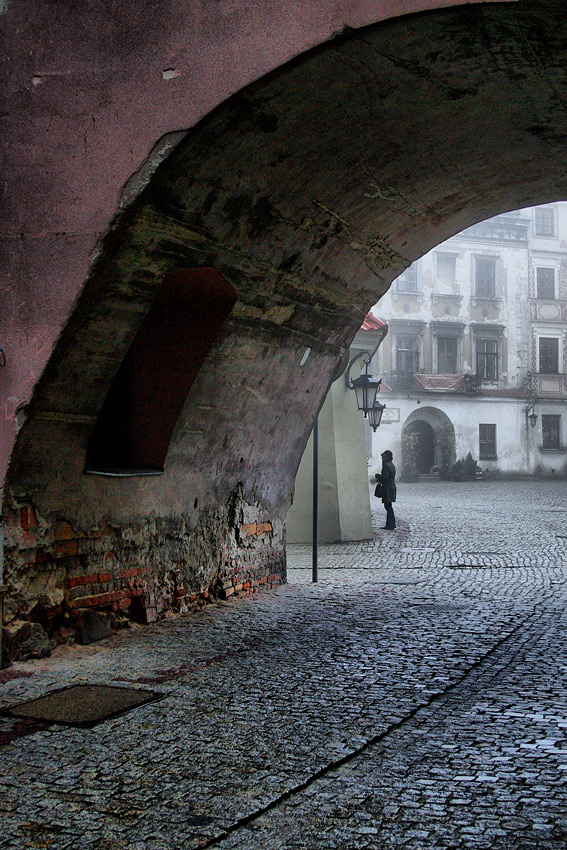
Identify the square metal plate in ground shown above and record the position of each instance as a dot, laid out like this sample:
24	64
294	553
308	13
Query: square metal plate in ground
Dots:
82	705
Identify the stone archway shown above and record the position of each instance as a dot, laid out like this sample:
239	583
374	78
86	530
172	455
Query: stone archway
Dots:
428	442
308	192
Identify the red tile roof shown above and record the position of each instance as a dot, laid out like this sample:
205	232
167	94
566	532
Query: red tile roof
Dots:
373	323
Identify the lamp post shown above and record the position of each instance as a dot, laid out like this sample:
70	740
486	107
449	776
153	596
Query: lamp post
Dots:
315	529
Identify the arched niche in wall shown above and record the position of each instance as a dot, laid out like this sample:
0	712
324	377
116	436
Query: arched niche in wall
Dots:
134	428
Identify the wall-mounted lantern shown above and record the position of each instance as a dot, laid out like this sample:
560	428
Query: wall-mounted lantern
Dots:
532	417
375	415
366	388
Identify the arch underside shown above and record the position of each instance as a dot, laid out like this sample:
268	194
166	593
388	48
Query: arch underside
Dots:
309	192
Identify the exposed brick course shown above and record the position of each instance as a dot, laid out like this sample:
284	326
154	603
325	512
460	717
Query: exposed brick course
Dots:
95	569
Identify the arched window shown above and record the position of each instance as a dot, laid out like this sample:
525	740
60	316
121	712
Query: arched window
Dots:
134	428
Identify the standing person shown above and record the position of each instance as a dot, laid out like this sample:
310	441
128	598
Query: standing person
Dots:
387	478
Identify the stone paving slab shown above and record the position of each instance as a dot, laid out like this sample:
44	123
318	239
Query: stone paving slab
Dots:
364	711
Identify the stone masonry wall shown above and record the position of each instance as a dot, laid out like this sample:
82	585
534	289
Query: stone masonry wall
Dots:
77	584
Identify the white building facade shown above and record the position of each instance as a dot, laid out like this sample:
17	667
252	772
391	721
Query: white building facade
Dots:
476	355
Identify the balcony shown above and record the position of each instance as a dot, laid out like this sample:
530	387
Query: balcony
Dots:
401	382
472	383
431	383
549	310
550	385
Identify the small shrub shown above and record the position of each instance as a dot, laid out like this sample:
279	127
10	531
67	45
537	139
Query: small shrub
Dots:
470	467
465	469
456	472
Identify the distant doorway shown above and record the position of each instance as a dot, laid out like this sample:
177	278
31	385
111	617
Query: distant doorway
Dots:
423	445
427	444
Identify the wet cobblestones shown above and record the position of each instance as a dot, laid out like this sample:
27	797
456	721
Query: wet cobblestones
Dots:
415	697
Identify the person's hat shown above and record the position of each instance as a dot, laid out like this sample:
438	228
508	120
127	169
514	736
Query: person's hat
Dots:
387	454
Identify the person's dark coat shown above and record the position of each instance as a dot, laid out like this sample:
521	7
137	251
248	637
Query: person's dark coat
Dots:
387	478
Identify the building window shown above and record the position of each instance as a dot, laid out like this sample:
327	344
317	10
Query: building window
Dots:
545	283
446	268
551	431
407	282
487	359
544	221
485	277
407	353
487	442
447	355
548	355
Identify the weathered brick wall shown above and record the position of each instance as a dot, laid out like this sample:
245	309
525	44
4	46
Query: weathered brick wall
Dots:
57	571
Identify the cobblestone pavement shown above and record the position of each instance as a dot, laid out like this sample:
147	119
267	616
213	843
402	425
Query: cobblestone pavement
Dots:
415	697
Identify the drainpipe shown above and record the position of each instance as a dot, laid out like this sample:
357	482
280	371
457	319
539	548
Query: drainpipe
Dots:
315	545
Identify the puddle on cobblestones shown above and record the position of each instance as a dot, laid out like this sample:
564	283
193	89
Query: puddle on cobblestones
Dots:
11	729
7	675
399	581
487	566
160	677
485	554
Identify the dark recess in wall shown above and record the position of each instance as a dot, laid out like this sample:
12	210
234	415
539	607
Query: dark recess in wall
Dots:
134	428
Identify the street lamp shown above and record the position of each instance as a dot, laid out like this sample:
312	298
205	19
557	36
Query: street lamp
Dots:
366	387
531	416
375	415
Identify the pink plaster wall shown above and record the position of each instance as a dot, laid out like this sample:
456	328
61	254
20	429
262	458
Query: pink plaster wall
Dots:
90	88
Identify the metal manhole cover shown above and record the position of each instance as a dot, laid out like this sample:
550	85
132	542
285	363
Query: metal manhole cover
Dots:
82	705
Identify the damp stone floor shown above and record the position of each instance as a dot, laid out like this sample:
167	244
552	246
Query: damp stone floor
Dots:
415	697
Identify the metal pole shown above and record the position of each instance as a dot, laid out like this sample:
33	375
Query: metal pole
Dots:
528	458
315	500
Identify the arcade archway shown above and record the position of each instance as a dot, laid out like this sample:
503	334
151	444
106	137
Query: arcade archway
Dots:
308	192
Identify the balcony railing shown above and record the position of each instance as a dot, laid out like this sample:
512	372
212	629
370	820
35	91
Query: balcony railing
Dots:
399	381
406	382
472	383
